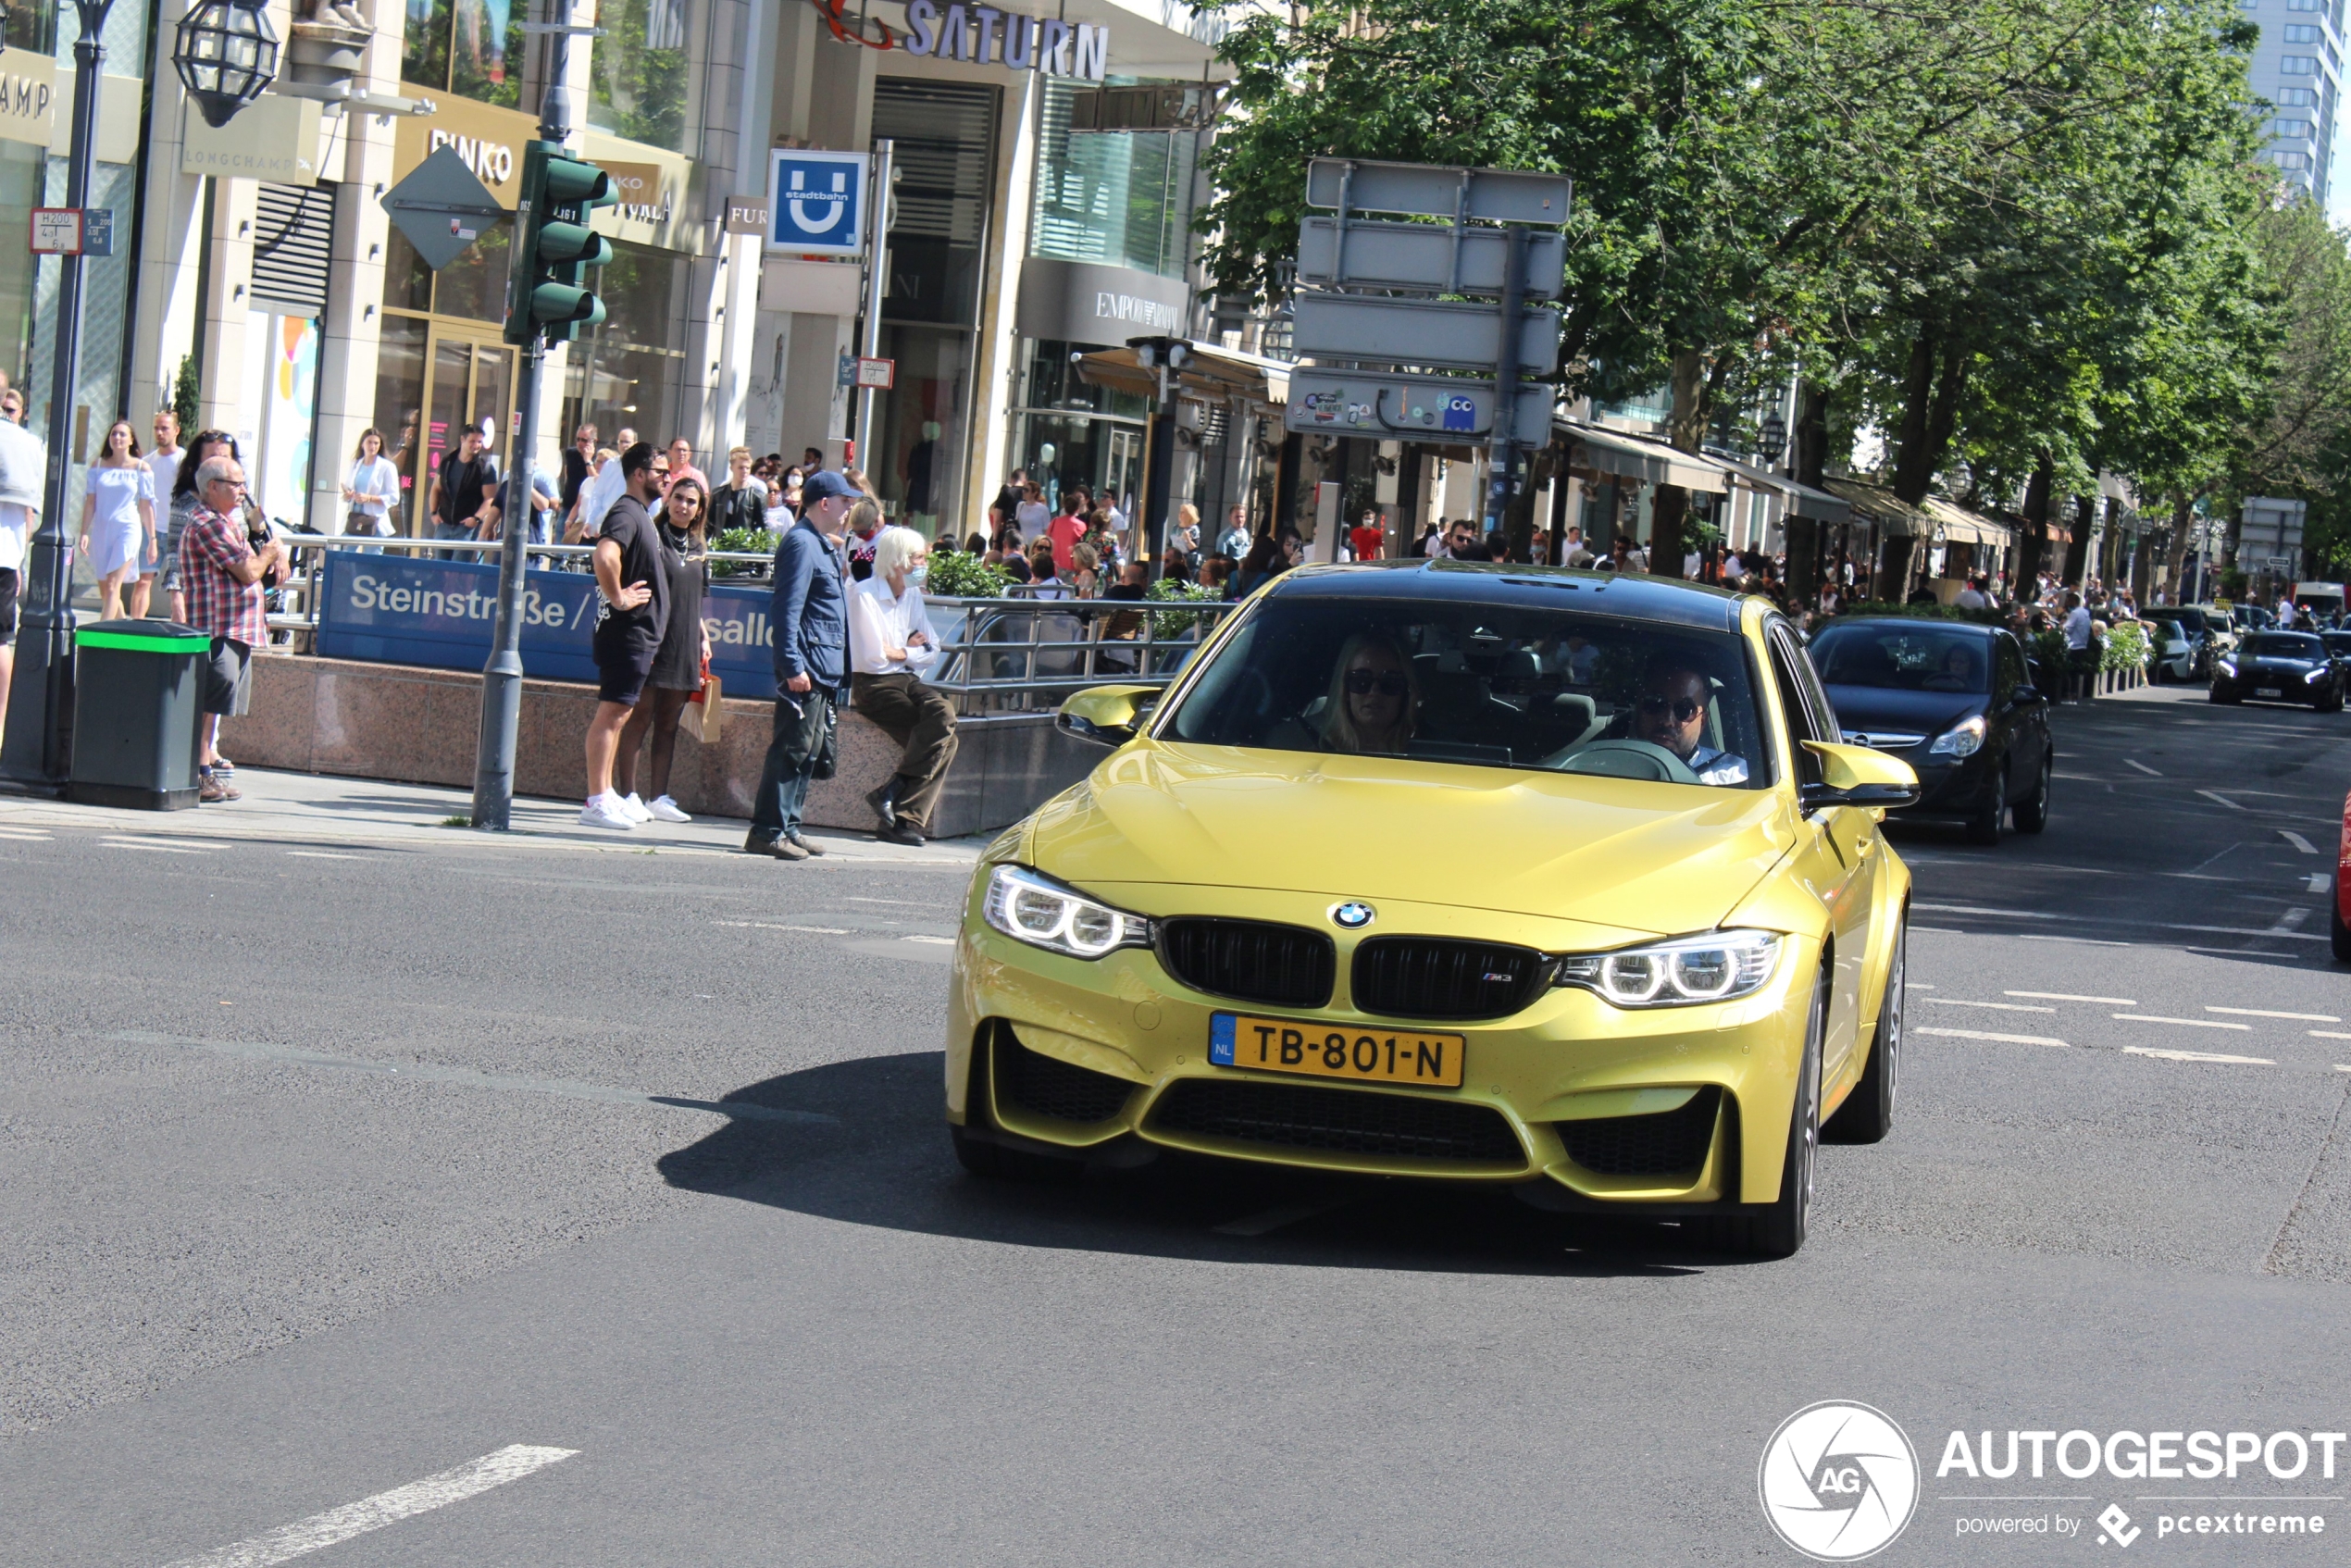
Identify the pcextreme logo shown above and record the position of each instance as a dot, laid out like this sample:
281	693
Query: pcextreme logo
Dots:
1839	1481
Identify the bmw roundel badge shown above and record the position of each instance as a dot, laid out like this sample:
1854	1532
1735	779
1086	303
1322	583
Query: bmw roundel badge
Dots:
1352	917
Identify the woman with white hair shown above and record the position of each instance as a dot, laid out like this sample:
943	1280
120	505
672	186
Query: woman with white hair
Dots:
890	644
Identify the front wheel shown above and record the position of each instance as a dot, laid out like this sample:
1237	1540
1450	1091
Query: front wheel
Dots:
1867	1114
1776	1230
1984	828
2032	814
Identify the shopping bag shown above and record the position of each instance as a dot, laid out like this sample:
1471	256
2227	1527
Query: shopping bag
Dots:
705	711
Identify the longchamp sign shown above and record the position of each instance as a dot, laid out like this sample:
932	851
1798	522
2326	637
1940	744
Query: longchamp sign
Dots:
439	614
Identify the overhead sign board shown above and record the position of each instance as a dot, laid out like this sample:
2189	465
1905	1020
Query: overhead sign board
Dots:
57	230
441	208
1421	255
1419	332
1419	189
1399	408
816	202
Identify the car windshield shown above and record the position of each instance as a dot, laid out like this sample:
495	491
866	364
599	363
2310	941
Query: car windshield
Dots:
2172	627
1485	685
2215	621
2283	645
1905	658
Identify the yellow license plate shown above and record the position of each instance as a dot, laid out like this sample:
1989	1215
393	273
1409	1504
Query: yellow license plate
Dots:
1325	1050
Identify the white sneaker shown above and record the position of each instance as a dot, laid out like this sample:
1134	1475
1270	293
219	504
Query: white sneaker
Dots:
634	807
666	810
607	811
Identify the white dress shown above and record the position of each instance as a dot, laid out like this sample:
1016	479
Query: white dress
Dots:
117	539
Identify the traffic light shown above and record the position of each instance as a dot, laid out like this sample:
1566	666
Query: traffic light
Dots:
557	245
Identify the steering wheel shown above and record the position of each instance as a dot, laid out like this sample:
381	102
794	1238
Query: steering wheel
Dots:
1624	759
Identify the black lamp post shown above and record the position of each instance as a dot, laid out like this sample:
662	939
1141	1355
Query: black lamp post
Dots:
227	54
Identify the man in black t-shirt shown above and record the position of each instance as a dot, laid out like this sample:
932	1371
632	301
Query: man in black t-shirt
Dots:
633	587
464	492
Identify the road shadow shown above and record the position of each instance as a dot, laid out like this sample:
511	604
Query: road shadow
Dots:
885	1161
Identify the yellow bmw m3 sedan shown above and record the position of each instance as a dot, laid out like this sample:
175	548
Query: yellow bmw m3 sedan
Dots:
1466	873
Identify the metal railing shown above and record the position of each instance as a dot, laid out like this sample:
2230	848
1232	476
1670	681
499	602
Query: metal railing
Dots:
1016	654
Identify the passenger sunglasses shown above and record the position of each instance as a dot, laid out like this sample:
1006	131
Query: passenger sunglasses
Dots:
1684	709
1388	683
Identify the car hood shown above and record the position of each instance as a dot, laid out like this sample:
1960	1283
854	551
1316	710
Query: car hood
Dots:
1638	857
1916	712
2280	663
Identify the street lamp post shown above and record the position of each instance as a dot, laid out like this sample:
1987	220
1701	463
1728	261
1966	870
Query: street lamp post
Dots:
227	54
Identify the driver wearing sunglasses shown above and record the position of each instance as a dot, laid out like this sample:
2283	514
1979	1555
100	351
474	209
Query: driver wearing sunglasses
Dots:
1671	712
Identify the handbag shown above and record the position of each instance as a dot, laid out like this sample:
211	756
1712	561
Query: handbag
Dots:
705	711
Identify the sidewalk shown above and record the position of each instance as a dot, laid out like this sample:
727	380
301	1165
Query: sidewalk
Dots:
321	809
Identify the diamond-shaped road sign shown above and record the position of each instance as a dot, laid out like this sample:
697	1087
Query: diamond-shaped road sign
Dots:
442	207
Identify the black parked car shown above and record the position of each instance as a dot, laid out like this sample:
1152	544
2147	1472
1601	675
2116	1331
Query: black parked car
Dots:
1953	701
2279	667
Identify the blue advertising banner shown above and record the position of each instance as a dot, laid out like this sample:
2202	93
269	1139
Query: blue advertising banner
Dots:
392	610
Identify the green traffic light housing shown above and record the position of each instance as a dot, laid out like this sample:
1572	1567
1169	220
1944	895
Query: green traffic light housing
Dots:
549	295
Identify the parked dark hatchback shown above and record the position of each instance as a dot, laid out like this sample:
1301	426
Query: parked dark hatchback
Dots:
1954	701
2279	667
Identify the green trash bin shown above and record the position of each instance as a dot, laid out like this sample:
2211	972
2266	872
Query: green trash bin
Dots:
138	696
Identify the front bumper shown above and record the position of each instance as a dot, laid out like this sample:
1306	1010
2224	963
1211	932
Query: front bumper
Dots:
1597	1100
1949	786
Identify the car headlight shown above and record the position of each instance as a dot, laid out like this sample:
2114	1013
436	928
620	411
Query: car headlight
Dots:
1040	912
2317	675
1714	967
2227	667
1963	740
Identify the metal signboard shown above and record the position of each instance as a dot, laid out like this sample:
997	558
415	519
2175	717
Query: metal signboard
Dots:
443	207
1419	332
1498	195
57	230
816	202
97	231
1421	255
746	214
879	374
1396	407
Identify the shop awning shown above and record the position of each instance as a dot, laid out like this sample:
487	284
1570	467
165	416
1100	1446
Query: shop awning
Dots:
1637	458
1960	526
1803	500
1875	504
1210	373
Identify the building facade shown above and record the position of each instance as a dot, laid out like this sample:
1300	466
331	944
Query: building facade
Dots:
2297	67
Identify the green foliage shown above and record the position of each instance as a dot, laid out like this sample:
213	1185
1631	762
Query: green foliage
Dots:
743	541
184	392
1166	623
2127	647
955	575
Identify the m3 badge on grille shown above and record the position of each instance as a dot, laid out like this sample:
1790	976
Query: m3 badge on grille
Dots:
1352	916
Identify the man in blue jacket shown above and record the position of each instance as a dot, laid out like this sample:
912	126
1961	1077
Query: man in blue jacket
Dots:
809	623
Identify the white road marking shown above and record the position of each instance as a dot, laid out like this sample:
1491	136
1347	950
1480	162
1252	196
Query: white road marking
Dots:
1980	909
323	854
2264	1012
2134	762
29	836
2287	922
2197	1056
2086	941
1978	1034
1917	985
2183	1023
2222	799
152	848
771	925
902	903
321	1530
2069	996
941	941
2326	1034
2297	840
2320	881
1996	1007
1273	1219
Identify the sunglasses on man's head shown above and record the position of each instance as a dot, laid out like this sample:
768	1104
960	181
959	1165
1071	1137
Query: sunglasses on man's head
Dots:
1387	682
1684	709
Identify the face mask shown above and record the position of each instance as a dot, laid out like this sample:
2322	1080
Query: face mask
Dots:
916	575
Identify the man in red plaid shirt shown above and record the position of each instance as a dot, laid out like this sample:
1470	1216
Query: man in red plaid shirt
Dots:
222	574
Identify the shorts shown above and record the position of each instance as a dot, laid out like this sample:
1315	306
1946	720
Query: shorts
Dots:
228	677
11	585
622	666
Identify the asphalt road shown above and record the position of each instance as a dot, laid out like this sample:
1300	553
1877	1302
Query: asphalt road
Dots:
328	1168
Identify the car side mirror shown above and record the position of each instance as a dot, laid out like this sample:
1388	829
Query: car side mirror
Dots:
2025	694
1859	776
1106	715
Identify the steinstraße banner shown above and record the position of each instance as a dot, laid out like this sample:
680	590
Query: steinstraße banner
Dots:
439	614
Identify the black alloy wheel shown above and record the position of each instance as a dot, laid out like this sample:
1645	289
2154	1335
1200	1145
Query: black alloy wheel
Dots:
2032	814
1867	1114
1984	828
1776	1230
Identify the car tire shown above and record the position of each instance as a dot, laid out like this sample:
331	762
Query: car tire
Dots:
1776	1230
1867	1114
2032	814
2340	932
1984	828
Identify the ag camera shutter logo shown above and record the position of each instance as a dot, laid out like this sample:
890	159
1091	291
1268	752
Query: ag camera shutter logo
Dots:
816	202
1839	1481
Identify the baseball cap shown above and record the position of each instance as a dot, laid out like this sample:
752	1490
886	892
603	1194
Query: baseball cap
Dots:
826	482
